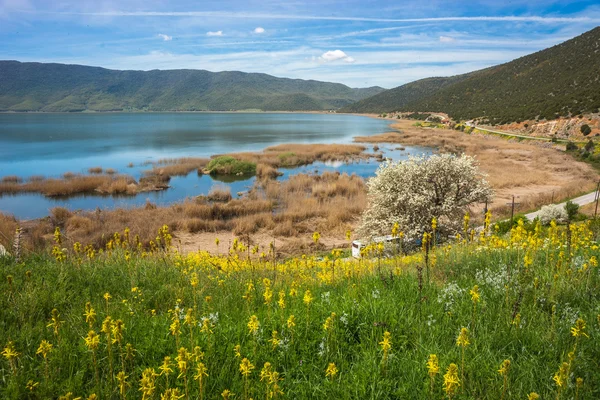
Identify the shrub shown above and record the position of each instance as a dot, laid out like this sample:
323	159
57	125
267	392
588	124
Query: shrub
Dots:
571	146
227	165
552	212
571	210
585	129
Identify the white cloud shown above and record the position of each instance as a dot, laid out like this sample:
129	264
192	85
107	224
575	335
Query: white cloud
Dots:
447	39
259	30
217	33
164	37
335	55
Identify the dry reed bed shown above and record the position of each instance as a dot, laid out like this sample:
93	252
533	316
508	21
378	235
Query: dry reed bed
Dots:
329	203
293	155
176	166
73	184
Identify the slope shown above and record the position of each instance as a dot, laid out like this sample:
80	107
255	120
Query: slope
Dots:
559	81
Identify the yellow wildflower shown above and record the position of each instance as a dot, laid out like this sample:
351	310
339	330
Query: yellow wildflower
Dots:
92	340
451	381
206	325
122	379
463	338
44	348
560	377
433	368
504	367
331	371
281	301
579	329
201	371
316	236
9	351
246	367
253	325
329	322
291	322
275	341
90	314
182	361
31	385
475	294
307	297
147	383
165	368
386	343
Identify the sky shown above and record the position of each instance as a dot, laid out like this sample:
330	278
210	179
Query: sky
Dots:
357	43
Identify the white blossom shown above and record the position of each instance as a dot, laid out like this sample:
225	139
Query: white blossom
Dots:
552	212
413	192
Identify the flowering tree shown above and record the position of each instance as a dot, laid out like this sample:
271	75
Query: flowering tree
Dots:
413	192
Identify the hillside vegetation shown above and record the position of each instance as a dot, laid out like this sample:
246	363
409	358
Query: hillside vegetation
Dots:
560	81
400	97
59	87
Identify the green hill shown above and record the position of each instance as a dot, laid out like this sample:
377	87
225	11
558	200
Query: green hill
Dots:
559	81
59	87
397	98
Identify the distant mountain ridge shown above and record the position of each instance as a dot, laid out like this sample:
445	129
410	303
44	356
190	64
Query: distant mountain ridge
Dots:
60	87
563	80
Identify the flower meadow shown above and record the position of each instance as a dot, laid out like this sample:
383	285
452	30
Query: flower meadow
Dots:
484	316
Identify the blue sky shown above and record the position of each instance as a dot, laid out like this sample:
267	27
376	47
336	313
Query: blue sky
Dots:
358	43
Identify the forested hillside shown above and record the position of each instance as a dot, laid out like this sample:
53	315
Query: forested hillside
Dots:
59	87
560	81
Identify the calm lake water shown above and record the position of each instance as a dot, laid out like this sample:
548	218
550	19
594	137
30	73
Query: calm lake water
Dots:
52	144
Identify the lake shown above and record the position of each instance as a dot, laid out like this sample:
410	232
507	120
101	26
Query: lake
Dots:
52	144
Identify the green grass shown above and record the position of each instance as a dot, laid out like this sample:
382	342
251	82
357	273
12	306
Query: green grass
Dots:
227	165
368	297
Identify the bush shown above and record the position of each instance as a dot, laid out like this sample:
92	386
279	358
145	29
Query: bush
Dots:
413	192
571	209
227	165
571	146
503	227
585	129
553	212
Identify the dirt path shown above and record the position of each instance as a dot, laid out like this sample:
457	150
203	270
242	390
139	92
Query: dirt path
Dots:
191	242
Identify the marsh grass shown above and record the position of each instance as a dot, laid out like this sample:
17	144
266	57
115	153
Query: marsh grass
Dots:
12	179
176	166
219	193
72	184
95	170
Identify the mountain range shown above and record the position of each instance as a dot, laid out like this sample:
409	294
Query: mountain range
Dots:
560	81
61	88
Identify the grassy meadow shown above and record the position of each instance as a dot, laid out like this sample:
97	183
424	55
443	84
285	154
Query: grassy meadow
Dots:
492	317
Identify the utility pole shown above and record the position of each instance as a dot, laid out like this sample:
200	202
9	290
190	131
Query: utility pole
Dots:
597	198
512	205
